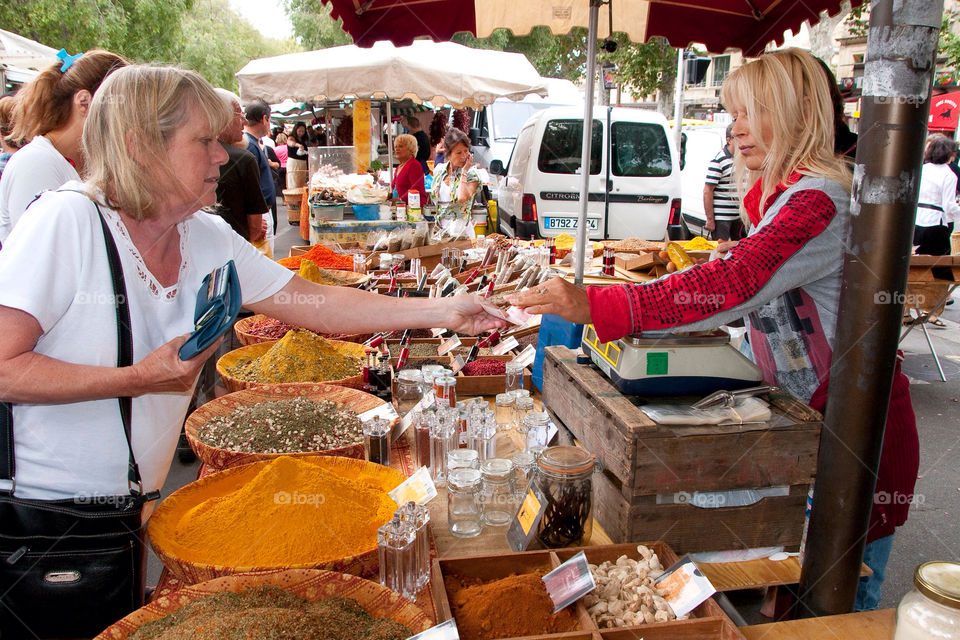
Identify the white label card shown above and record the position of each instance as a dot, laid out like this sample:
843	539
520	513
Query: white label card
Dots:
417	488
569	582
684	586
385	411
525	357
448	345
438	332
505	346
443	631
457	364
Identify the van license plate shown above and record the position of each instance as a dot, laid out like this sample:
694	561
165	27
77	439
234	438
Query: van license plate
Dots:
569	223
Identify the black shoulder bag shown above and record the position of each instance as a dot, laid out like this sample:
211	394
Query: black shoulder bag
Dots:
70	568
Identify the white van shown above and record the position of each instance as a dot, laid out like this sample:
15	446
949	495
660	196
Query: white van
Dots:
634	176
497	125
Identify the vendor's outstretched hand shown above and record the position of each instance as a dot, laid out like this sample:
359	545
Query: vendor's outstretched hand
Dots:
556	296
467	316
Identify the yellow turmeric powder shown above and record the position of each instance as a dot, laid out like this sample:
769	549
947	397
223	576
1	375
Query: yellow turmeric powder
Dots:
301	356
292	511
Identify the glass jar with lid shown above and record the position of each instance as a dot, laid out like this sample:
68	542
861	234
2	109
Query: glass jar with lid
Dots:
524	466
535	424
564	477
524	405
408	391
932	609
505	414
463	503
498	495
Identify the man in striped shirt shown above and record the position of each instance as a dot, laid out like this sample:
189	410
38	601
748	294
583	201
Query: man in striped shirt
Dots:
721	202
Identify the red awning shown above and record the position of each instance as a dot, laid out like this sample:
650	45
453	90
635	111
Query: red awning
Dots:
718	24
943	112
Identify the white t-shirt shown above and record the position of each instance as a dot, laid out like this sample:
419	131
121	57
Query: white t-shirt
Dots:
55	268
35	168
938	186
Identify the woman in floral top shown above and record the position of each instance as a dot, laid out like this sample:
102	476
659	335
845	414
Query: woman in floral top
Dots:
455	182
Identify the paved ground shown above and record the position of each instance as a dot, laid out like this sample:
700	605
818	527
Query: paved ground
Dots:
933	530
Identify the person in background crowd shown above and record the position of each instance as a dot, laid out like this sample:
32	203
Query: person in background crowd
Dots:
257	114
409	175
8	144
937	208
297	142
269	140
282	152
49	112
455	182
68	440
423	142
239	197
784	278
721	200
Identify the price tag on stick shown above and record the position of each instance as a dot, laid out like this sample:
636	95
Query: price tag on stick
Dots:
385	411
523	527
505	346
418	488
443	631
684	586
525	358
448	345
569	582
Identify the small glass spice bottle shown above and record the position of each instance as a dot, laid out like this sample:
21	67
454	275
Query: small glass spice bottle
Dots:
498	495
932	608
463	503
418	517
396	551
482	435
421	431
376	441
441	434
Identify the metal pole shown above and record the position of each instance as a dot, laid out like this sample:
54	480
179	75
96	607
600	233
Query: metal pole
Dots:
678	102
901	49
581	245
390	143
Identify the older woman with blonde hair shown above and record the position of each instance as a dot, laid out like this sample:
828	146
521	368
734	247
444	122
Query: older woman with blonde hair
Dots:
409	175
152	164
783	279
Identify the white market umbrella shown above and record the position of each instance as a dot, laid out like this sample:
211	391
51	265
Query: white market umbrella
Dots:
27	54
438	72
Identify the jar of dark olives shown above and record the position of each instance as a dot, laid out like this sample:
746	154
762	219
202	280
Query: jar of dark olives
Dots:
564	477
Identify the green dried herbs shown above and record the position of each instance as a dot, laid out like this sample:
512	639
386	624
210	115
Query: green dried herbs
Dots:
270	613
284	426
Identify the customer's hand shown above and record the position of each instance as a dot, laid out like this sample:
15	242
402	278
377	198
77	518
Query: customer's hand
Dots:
258	234
162	370
724	246
467	316
556	296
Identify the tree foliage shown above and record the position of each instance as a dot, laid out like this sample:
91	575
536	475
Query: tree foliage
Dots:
313	25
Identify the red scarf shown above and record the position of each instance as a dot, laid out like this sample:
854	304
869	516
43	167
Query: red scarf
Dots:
751	201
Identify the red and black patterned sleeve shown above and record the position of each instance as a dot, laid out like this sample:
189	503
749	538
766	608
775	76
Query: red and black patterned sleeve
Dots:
740	281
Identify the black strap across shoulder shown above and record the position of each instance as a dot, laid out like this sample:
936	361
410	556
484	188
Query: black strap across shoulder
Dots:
124	359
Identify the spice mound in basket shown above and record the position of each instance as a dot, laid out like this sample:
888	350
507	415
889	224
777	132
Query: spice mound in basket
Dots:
269	612
322	257
517	605
336	278
294	511
292	425
300	356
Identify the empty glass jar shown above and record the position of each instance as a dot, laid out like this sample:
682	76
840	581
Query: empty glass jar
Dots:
462	459
535	423
505	413
498	494
464	510
523	406
408	391
514	377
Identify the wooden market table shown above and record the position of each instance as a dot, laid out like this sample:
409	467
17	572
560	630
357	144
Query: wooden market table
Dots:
868	625
927	276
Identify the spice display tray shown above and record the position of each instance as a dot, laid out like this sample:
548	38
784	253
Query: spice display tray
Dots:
644	462
707	622
489	385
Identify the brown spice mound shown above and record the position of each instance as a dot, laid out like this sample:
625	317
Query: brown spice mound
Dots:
517	605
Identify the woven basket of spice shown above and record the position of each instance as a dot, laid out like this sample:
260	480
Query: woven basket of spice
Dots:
261	328
306	512
261	597
300	356
283	419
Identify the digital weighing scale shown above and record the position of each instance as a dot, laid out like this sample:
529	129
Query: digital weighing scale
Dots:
667	364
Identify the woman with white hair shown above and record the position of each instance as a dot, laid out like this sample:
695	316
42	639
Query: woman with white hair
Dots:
783	279
152	164
409	175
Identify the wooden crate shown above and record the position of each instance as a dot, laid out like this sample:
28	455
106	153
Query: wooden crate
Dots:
707	621
922	269
642	460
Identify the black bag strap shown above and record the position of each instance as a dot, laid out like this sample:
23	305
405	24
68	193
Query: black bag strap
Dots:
124	359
